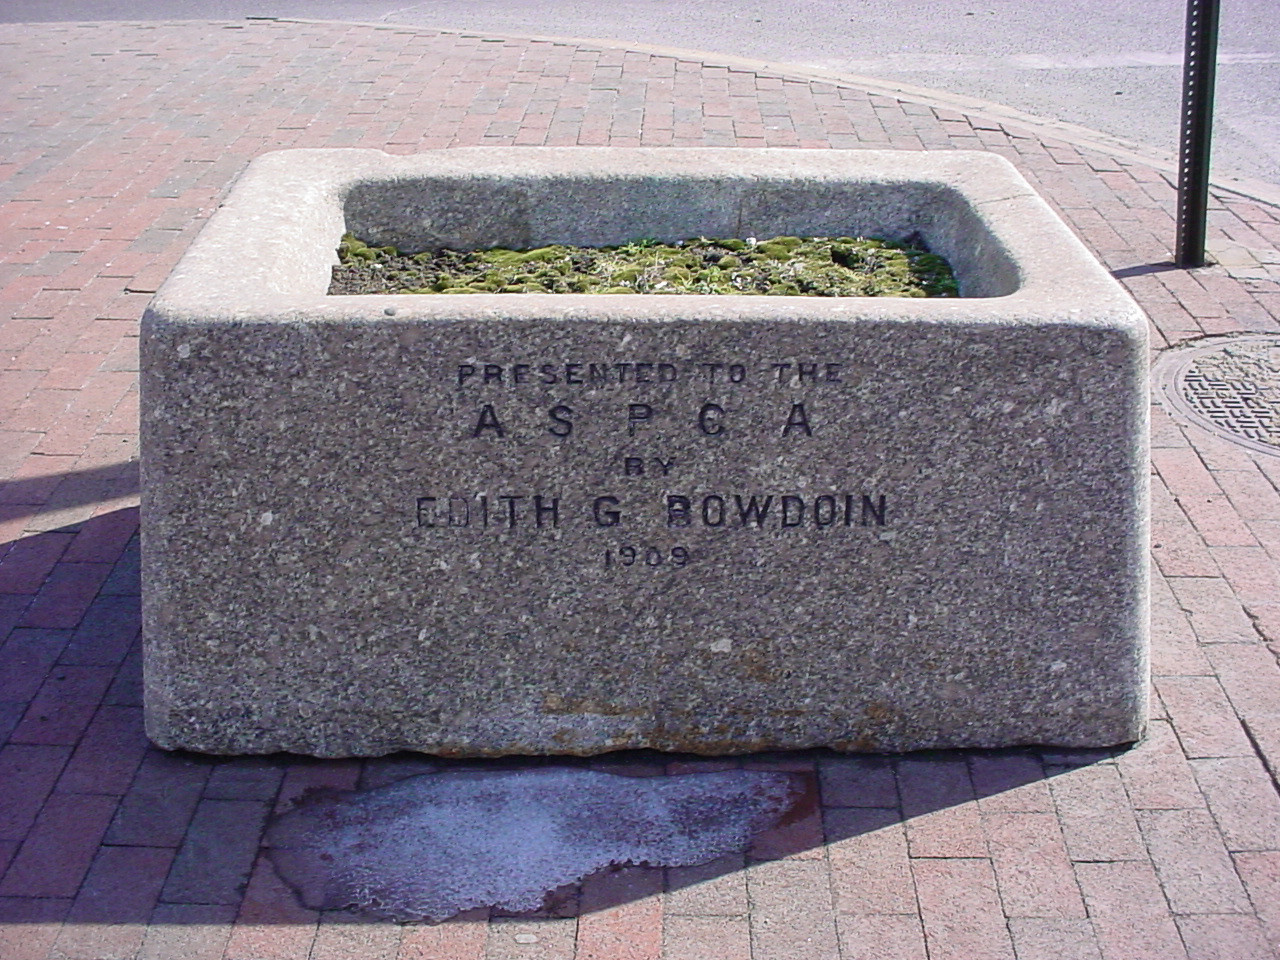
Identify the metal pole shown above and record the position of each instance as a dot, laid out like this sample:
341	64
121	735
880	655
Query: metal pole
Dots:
1197	124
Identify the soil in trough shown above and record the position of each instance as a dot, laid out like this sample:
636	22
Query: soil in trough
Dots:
780	266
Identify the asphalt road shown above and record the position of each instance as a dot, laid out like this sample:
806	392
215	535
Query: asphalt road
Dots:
1102	65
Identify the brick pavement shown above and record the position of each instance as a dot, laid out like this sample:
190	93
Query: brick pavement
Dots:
119	139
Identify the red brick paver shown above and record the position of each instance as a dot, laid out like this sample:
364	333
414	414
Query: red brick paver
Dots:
120	139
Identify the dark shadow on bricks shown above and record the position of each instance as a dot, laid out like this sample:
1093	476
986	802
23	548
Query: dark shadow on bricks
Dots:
210	813
1142	270
34	496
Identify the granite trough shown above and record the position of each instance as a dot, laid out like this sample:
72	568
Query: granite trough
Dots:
569	524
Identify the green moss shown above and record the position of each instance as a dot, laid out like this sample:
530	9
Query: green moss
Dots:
510	258
775	251
778	266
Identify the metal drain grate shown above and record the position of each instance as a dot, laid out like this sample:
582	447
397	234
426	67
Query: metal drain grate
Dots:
1230	386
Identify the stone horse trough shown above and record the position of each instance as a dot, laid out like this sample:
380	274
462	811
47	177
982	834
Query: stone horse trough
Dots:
568	524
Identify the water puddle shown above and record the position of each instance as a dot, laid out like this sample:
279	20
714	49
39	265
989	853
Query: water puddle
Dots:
432	846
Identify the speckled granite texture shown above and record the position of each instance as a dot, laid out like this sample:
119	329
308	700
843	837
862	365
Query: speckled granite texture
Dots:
492	524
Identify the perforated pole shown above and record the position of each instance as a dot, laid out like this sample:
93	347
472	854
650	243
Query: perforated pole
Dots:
1198	73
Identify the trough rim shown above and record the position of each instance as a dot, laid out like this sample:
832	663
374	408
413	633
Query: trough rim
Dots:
287	208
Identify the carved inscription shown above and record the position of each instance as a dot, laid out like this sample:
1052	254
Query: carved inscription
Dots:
745	511
629	555
641	402
514	375
786	510
710	419
794	417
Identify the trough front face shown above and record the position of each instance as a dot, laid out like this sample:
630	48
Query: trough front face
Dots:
540	524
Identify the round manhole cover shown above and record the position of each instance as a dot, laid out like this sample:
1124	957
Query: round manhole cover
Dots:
1228	386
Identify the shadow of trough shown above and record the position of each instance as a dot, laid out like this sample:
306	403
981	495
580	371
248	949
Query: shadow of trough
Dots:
51	495
71	737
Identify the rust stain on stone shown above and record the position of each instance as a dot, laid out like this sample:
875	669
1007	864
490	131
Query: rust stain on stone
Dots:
879	710
554	703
